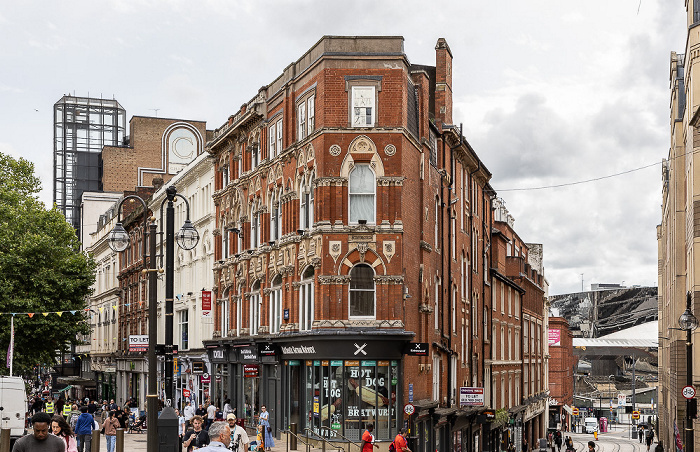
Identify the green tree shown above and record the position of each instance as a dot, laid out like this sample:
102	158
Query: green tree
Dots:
42	269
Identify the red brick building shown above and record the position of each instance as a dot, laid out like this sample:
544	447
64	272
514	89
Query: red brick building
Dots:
354	220
561	372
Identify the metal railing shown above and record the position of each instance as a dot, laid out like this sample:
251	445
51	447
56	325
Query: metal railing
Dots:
323	440
289	432
349	441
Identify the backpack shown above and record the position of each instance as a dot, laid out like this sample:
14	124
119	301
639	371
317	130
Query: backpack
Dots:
392	447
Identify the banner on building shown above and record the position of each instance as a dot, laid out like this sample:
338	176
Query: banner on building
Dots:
206	303
554	337
138	343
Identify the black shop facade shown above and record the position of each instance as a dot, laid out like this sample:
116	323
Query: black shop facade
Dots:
331	384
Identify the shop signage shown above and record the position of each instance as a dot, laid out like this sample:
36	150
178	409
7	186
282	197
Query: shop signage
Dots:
248	353
110	369
138	343
250	370
471	396
418	349
206	303
621	399
197	367
267	350
490	415
554	337
357	348
206	378
186	393
218	355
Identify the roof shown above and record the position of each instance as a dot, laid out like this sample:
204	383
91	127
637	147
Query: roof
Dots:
648	330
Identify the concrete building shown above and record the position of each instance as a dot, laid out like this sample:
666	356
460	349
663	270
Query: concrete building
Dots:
353	232
679	234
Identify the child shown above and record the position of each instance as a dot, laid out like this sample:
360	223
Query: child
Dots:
261	438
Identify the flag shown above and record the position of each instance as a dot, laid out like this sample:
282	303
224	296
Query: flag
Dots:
11	348
679	442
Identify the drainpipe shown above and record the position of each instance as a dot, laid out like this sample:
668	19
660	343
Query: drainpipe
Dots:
471	241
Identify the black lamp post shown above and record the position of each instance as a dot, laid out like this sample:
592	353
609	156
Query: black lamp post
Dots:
118	242
187	238
688	322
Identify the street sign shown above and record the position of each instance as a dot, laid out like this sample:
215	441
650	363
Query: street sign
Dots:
635	415
575	411
688	392
410	393
409	409
621	399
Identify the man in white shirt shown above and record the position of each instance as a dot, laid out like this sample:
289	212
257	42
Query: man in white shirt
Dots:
239	438
211	414
219	438
189	412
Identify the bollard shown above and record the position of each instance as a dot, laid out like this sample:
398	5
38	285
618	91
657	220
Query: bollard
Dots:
95	445
293	439
5	440
120	440
168	438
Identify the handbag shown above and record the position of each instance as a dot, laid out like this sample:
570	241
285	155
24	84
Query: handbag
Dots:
269	430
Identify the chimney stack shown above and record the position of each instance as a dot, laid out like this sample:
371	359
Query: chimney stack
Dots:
443	83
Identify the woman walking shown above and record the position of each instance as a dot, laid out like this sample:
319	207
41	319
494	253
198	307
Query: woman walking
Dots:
110	427
60	428
267	430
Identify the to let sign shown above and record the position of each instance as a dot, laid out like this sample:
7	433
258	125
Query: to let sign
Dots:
206	303
138	343
471	396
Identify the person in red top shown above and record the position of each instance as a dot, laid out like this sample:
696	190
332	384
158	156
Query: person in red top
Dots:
368	439
400	441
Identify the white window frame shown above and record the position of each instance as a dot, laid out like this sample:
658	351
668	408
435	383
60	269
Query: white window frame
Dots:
255	156
301	121
276	305
279	137
436	377
373	290
274	217
225	243
272	139
225	316
279	212
254	317
239	313
358	117
183	323
310	114
306	300
373	193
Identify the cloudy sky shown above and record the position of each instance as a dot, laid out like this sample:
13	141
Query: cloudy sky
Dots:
549	93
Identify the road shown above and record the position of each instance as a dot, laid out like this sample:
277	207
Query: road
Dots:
615	441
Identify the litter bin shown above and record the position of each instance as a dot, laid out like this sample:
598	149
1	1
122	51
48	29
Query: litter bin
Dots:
634	433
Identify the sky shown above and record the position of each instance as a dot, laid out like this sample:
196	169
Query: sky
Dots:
548	92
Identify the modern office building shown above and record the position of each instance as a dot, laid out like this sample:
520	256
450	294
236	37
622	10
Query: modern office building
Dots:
82	127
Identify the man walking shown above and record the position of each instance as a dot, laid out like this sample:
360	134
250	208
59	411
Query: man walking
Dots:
219	438
239	437
400	443
83	430
211	414
649	436
40	440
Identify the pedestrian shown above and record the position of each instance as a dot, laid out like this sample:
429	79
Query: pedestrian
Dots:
197	437
40	440
219	438
367	443
525	449
659	447
640	433
260	439
189	412
61	429
227	408
83	429
239	437
181	425
73	418
112	405
211	414
591	446
264	420
122	417
400	443
649	436
557	440
110	427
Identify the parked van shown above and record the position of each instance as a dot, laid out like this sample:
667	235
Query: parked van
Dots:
591	424
13	405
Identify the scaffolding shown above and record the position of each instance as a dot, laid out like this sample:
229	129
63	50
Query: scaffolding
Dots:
82	127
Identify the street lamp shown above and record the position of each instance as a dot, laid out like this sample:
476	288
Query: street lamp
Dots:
688	322
118	242
187	238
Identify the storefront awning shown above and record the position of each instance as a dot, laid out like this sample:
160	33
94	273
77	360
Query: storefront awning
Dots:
568	409
77	381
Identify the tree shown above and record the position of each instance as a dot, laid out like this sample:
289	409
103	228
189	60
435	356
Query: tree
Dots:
42	270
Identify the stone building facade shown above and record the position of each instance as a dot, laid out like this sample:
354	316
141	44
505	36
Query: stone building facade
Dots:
354	224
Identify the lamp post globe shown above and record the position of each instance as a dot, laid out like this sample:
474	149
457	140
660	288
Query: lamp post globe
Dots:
118	238
187	237
687	321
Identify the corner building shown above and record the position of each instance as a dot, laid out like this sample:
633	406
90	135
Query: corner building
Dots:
352	220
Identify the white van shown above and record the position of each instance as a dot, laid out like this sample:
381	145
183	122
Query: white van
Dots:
13	405
591	424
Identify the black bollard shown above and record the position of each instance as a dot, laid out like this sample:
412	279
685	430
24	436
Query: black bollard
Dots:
168	438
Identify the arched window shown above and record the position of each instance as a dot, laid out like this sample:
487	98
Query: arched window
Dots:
254	321
276	305
306	300
362	300
362	188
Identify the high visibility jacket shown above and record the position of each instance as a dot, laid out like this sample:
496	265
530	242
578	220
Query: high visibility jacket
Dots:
49	407
66	409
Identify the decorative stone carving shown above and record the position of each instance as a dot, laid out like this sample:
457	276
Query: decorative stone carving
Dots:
334	150
336	248
388	279
362	144
389	249
390	150
334	279
425	245
362	249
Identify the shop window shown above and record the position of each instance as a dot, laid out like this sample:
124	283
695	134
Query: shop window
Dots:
254	320
361	188
362	299
276	305
306	300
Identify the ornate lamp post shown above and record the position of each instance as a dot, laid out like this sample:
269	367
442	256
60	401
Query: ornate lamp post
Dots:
688	322
118	242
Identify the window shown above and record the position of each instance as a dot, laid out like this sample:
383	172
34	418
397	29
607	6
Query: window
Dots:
239	313
517	304
255	155
275	218
224	176
362	194
517	345
272	138
239	240
184	329
256	230
475	318
278	206
310	110
503	297
225	315
510	343
224	243
306	214
510	301
437	228
306	300
437	298
486	323
301	117
239	164
453	236
279	137
254	320
363	111
362	291
454	309
276	305
503	343
436	377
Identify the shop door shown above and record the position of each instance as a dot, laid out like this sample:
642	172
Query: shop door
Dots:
251	394
274	404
